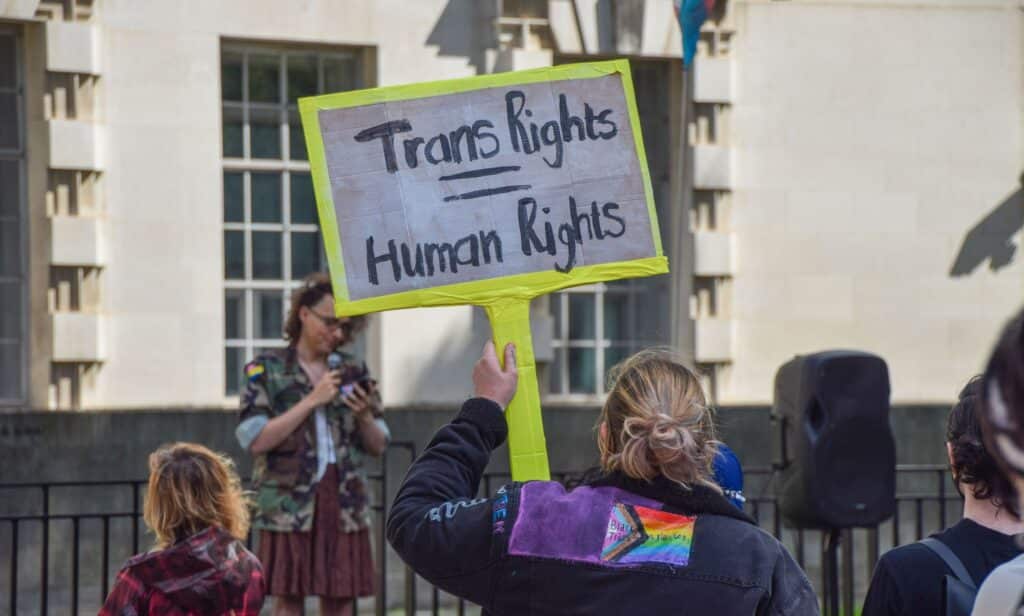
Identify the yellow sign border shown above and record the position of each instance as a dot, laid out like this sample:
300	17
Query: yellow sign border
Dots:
491	290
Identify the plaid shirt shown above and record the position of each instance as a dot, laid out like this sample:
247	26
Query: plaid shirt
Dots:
209	573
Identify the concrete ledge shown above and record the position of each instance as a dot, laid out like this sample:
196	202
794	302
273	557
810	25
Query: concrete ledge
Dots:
712	167
71	47
712	253
18	9
76	240
78	337
74	145
714	340
712	80
520	59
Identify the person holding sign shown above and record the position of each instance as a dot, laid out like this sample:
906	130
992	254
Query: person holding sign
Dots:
652	535
309	414
490	191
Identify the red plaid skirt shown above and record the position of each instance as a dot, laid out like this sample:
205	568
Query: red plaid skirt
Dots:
325	561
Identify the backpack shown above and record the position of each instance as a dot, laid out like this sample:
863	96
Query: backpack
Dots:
958	590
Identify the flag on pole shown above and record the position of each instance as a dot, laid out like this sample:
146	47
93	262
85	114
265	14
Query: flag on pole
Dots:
691	15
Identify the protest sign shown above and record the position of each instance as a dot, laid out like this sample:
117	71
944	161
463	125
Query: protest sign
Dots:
488	190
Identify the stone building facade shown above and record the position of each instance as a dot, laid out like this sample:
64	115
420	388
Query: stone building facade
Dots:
852	179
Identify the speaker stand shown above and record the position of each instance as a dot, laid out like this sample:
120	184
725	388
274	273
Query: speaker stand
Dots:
830	564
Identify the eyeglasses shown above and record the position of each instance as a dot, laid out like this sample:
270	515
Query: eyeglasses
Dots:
334	322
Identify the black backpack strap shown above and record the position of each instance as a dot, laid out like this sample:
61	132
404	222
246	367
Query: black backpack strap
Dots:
951	560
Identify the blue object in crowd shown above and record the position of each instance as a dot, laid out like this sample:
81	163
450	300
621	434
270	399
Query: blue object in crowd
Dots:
691	15
729	475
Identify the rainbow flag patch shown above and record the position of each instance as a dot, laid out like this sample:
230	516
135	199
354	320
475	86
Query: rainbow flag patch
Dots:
641	535
253	370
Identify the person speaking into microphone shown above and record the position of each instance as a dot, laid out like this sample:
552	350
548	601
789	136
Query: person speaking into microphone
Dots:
309	415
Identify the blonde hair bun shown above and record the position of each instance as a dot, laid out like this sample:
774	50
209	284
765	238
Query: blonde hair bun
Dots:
657	422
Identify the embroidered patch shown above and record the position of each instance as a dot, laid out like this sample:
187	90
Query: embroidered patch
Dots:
641	535
253	370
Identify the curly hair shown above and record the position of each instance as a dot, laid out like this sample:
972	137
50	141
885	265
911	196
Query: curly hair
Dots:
192	488
658	422
313	289
971	462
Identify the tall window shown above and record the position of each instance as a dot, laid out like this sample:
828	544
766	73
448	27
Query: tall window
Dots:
13	354
598	325
271	236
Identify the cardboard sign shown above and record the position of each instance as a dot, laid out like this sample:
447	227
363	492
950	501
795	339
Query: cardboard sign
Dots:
489	190
435	185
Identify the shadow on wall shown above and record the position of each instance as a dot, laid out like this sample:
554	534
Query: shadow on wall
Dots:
465	28
992	238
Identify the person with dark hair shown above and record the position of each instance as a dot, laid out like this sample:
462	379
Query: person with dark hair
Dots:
1002	594
309	415
653	534
196	508
909	579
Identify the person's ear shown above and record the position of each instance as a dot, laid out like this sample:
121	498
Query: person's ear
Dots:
949	457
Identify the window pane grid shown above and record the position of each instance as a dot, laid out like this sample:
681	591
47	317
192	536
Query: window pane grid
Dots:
596	327
13	256
269	156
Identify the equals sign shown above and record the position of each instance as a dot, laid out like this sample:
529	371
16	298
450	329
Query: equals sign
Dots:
479	173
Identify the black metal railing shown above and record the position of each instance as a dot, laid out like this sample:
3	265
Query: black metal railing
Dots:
924	500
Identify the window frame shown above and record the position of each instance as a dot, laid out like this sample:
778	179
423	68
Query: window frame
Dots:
17	154
633	289
285	167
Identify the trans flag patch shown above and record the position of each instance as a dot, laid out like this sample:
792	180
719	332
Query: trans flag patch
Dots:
640	535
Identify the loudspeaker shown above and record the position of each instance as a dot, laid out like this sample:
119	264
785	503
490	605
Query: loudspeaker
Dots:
834	452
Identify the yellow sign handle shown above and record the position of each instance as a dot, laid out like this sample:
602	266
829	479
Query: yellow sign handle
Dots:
528	454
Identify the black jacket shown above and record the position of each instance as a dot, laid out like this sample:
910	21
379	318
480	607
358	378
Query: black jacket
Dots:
613	546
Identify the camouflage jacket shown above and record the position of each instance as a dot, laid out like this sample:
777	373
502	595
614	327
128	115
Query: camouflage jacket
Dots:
285	477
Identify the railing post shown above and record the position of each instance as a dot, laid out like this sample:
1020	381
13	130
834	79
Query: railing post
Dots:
896	524
847	571
410	591
14	567
918	518
942	498
105	560
135	518
829	566
44	566
74	565
872	550
382	545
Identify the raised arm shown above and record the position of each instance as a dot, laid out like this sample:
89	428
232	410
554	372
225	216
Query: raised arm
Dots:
436	525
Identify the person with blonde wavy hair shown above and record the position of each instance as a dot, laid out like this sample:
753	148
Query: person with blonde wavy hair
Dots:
196	508
652	533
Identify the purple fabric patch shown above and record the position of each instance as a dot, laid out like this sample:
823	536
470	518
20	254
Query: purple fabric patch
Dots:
571	526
